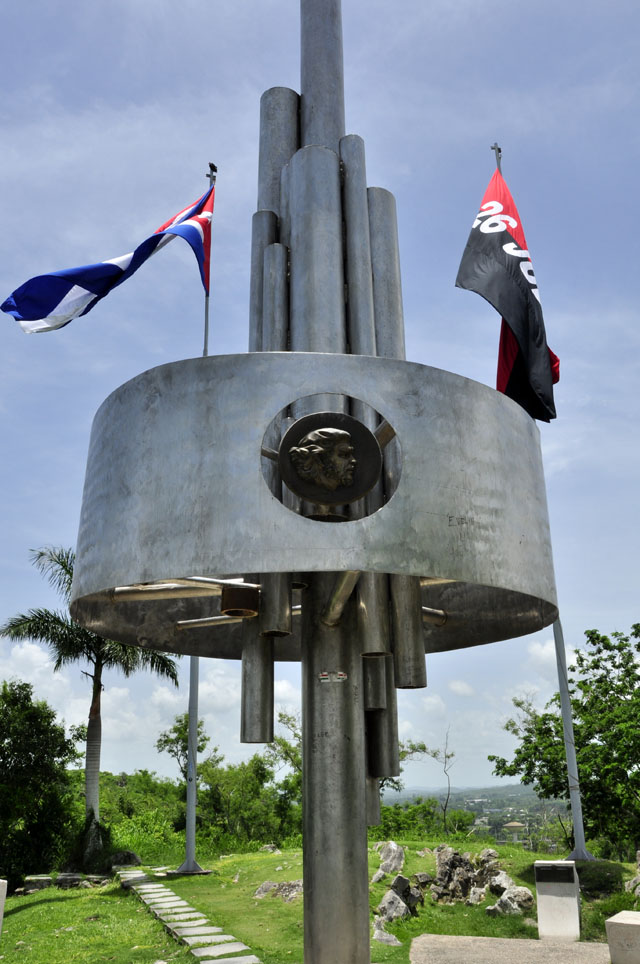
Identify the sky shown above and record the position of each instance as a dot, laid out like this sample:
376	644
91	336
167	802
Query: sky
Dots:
110	115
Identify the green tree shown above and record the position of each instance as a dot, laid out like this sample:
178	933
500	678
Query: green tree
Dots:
604	683
35	799
175	741
240	799
69	642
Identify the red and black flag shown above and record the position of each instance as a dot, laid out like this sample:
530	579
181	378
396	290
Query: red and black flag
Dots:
496	264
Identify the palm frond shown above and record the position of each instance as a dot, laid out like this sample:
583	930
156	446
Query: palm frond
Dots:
129	659
56	563
67	640
159	663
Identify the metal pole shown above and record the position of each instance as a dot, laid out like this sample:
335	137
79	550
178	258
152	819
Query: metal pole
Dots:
190	865
279	140
205	351
580	851
322	73
256	715
406	604
336	904
498	152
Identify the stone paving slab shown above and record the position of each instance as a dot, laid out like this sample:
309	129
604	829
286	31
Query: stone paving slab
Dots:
154	901
222	950
174	907
158	908
442	949
208	939
195	931
188	915
250	959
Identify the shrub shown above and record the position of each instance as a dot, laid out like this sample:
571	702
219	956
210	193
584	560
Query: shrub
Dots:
599	877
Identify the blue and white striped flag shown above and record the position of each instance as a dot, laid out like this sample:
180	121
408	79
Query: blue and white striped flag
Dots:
51	301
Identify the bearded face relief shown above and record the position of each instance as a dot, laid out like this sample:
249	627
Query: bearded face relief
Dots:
325	457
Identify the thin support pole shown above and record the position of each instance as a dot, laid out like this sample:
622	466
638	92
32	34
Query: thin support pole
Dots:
579	851
211	175
205	350
498	152
190	865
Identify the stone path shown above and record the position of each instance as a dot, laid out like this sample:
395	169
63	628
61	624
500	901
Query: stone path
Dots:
441	949
207	943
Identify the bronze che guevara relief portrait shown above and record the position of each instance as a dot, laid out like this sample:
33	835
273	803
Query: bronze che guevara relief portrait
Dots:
325	457
329	458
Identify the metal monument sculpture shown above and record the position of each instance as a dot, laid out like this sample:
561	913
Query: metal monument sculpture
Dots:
319	498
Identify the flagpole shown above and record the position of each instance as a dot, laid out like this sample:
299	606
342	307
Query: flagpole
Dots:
498	153
213	170
579	851
190	864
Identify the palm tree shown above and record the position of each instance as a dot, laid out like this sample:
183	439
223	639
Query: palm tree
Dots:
70	643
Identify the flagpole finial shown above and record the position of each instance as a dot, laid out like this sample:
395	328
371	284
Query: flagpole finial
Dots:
498	152
212	172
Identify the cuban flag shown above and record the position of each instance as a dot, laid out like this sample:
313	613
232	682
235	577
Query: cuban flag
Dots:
51	301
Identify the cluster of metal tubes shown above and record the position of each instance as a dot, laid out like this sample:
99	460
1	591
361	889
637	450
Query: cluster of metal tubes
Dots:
325	277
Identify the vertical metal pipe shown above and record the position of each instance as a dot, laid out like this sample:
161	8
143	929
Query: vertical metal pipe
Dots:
275	604
190	865
264	231
256	710
275	299
406	603
373	612
279	140
336	904
374	681
361	336
317	313
360	310
322	73
387	284
284	222
374	816
407	632
383	753
317	280
361	320
580	851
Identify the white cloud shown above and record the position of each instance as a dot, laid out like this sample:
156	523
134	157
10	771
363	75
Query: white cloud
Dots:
32	663
461	688
433	705
219	687
167	699
287	696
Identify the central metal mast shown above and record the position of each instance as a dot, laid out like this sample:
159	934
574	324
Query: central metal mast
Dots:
337	239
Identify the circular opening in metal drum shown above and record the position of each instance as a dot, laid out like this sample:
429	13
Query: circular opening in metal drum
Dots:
331	458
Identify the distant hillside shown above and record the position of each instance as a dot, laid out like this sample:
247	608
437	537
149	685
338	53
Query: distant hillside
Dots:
502	796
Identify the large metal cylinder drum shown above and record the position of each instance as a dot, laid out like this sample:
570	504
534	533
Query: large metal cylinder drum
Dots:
175	490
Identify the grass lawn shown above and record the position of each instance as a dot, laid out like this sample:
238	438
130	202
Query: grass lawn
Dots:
108	924
273	928
84	927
